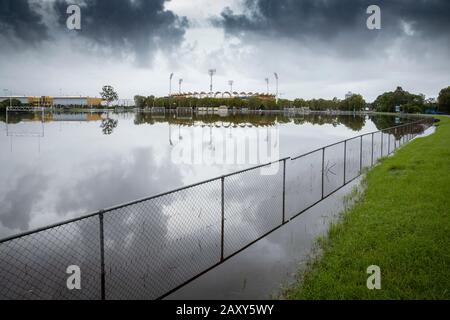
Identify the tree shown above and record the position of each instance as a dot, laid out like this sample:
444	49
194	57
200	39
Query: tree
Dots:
353	103
108	125
299	103
389	100
108	94
139	101
444	100
6	103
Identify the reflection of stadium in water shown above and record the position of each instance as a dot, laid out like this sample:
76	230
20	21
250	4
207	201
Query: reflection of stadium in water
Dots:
77	141
24	124
31	125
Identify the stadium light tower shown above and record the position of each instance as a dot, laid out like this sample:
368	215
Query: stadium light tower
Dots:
211	72
230	83
170	84
179	85
267	83
276	81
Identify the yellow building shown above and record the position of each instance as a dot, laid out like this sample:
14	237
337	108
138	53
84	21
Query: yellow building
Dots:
47	101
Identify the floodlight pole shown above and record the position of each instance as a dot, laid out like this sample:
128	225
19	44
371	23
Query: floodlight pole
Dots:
170	89
230	83
276	81
170	84
179	85
211	72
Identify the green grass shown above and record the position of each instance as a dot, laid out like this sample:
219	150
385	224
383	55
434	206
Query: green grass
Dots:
401	224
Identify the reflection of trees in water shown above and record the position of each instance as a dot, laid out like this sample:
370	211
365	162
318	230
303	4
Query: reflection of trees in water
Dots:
108	125
252	118
16	117
383	122
355	123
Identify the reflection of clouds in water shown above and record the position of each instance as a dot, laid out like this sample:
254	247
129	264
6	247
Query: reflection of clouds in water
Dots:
253	206
131	237
118	180
34	266
18	203
154	245
142	251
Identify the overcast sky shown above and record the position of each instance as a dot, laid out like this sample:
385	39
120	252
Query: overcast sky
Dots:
319	48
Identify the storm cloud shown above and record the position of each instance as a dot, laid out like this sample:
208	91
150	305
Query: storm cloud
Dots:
140	27
344	20
319	48
20	21
120	28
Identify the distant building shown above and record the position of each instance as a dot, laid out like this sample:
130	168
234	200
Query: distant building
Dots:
225	94
349	95
65	101
76	117
77	101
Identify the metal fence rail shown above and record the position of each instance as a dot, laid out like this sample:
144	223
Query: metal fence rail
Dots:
149	248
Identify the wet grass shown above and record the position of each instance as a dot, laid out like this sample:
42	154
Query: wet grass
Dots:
401	224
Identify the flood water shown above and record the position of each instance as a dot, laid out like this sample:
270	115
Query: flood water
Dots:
73	164
58	166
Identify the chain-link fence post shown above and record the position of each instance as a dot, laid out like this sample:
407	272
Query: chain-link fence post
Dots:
381	143
102	256
222	180
371	161
360	155
345	161
284	191
389	143
323	169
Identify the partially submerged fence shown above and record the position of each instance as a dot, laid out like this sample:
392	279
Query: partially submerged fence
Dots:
149	248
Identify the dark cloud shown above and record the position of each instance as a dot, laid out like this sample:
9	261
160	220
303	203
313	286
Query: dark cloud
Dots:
123	27
137	26
19	20
336	19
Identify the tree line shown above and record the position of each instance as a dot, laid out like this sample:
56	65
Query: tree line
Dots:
412	103
354	103
398	100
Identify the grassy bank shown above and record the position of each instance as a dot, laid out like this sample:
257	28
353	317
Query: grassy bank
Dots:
401	224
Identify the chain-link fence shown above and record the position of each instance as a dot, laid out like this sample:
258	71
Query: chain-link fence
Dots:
149	248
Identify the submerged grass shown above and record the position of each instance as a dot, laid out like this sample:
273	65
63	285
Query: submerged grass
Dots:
401	224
